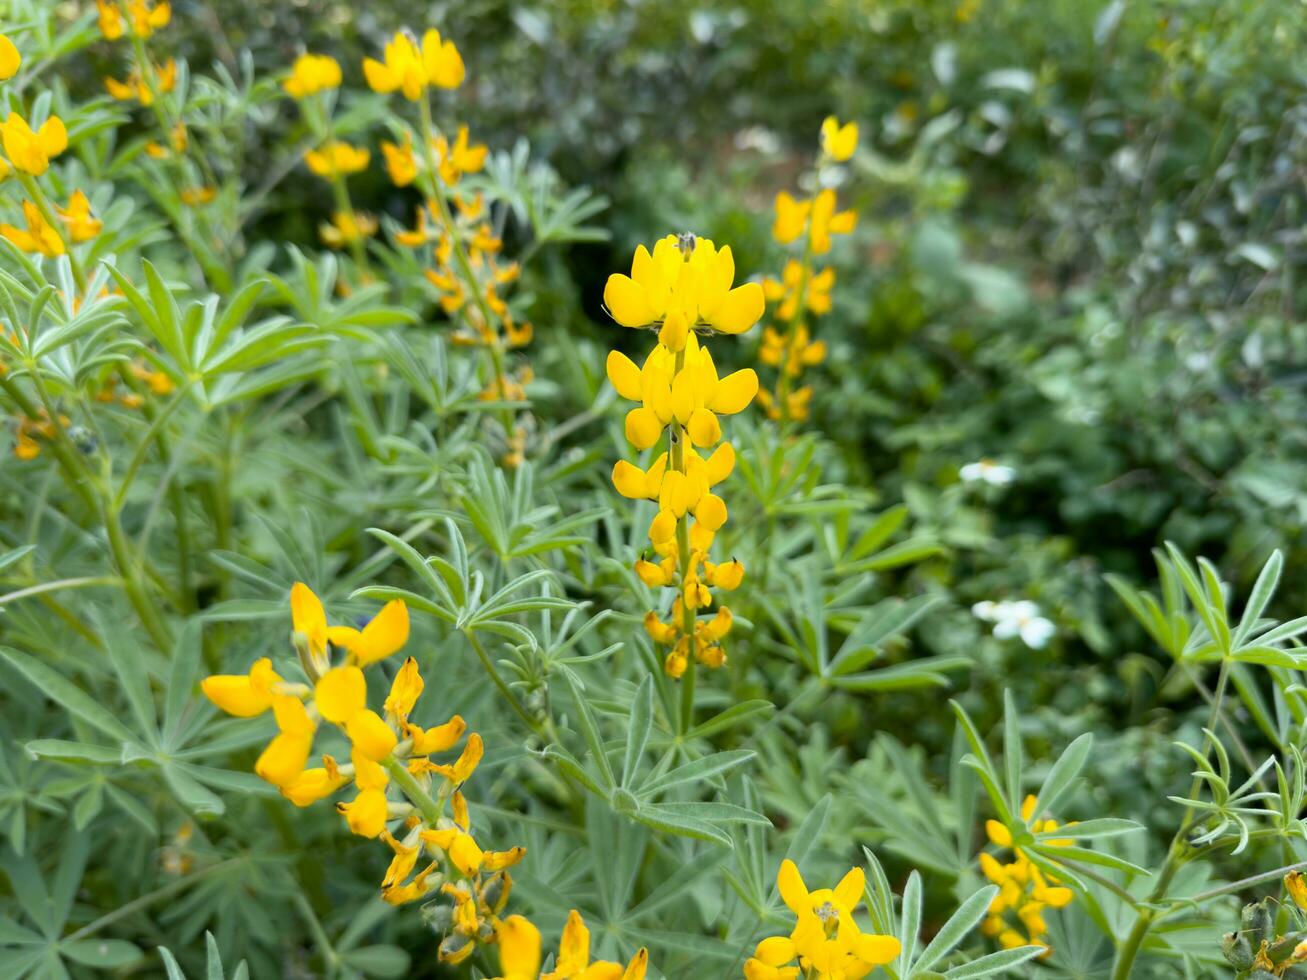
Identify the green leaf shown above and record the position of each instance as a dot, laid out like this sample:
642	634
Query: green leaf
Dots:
378	961
638	731
58	688
103	954
959	924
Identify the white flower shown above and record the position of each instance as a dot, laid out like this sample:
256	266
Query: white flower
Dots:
1016	619
995	474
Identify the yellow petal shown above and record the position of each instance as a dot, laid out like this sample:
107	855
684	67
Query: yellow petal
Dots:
519	947
10	59
877	949
341	693
282	762
307	615
734	392
629	480
405	690
776	950
639	965
53	136
711	511
624	375
235	695
574	947
740	310
438	739
793	891
378	76
366	814
371	736
291	715
386	633
312	785
704	429
643	427
627	302
719	465
674	331
848	893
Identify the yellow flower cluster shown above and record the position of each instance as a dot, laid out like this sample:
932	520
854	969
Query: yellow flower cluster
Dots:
826	943
156	382
684	287
143	17
47	228
387	751
136	86
520	956
1016	916
311	74
803	291
465	269
410	67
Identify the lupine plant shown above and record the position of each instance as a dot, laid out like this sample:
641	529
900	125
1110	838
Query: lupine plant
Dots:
338	638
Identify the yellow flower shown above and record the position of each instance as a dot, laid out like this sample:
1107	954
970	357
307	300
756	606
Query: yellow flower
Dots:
282	762
441	738
461	770
10	59
366	814
39	237
146	18
192	196
519	949
401	161
826	222
82	226
574	963
459	158
826	940
838	141
370	735
383	635
1296	886
310	74
337	158
1024	890
405	690
683	283
347	227
791	218
31	151
341	693
136	87
408	68
314	784
243	695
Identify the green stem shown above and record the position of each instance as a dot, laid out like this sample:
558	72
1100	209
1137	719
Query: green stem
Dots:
438	194
1175	857
514	702
63	583
412	789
